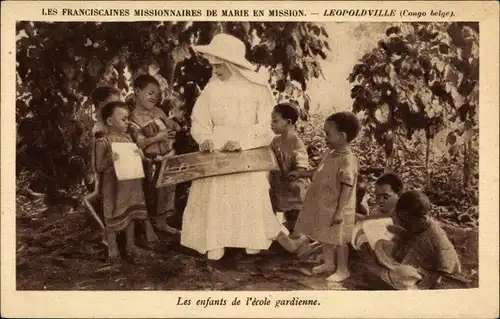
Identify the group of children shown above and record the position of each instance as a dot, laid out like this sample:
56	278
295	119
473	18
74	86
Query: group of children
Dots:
420	253
128	202
319	204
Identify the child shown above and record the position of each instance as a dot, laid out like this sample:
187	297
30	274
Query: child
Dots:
328	211
388	187
291	154
100	97
421	254
123	201
154	133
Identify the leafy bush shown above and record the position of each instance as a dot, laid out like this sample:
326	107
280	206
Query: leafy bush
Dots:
60	64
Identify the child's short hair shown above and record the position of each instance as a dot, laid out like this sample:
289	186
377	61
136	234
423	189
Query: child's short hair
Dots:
102	93
347	123
144	80
414	202
110	107
287	111
391	179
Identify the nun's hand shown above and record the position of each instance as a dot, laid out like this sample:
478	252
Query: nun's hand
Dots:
207	146
231	146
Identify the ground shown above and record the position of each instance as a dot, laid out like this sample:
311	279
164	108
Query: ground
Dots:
57	249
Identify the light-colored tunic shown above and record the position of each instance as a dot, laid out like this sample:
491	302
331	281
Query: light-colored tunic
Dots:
337	170
231	210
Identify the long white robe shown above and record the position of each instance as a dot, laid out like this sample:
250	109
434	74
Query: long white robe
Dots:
231	210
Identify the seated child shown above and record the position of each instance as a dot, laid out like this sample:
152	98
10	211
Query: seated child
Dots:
291	154
420	254
388	187
329	207
154	133
122	201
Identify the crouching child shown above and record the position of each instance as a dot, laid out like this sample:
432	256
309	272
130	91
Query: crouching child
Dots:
420	255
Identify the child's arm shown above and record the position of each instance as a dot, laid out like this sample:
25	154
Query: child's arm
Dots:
347	175
103	160
301	162
144	142
345	194
301	172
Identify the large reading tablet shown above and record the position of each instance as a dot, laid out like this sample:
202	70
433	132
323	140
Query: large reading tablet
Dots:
192	166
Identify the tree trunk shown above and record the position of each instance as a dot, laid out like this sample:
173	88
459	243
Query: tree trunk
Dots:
427	155
467	163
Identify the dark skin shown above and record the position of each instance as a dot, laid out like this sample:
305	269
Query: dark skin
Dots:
336	140
412	226
118	123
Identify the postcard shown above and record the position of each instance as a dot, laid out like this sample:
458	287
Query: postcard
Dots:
365	109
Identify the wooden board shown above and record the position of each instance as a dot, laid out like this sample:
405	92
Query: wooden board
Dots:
192	166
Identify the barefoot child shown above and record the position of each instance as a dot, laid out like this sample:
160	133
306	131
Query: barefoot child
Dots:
123	201
388	188
155	134
328	212
421	254
291	154
101	96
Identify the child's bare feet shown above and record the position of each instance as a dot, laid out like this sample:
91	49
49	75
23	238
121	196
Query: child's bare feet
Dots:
151	236
113	252
113	257
306	250
162	224
291	245
342	272
324	268
339	276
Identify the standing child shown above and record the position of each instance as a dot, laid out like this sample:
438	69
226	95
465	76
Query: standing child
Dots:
155	134
328	212
123	201
291	154
101	96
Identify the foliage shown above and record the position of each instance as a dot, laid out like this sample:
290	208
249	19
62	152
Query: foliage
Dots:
421	77
453	203
60	64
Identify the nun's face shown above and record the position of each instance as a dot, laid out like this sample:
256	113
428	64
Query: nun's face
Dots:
221	70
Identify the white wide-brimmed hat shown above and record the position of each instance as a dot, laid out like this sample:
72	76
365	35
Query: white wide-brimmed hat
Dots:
227	48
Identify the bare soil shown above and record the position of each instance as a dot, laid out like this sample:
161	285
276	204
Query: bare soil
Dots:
58	249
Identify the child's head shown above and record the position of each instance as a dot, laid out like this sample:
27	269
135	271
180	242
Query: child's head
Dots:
412	209
115	116
284	116
103	95
340	129
147	91
387	190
